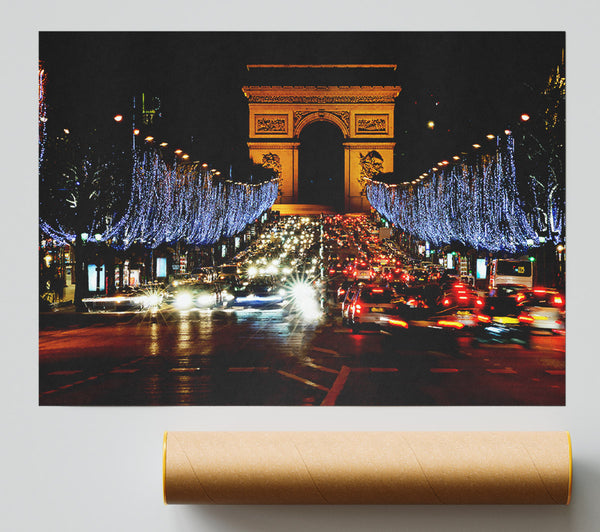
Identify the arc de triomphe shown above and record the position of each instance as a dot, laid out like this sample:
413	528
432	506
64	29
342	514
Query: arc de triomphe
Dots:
364	114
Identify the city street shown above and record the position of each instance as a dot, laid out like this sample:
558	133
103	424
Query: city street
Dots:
272	357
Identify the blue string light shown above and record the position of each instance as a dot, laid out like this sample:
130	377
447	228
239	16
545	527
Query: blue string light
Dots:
475	203
178	202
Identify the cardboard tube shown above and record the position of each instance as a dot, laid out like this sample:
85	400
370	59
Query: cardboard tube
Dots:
367	468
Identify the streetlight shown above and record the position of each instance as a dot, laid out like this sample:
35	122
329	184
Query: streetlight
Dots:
525	117
118	118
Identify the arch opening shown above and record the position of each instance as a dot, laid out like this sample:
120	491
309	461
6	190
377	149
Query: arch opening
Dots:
321	165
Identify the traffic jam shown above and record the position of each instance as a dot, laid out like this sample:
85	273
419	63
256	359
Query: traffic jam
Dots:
342	270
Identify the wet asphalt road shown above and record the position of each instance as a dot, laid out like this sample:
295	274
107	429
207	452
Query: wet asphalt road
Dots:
271	357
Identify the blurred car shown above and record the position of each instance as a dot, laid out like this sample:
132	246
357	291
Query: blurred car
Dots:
194	295
420	328
363	272
369	304
257	293
462	302
515	291
342	289
543	309
500	321
128	299
346	303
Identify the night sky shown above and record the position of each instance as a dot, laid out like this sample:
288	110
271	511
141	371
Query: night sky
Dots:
469	83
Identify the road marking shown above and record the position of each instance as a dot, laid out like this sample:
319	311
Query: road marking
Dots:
444	370
322	368
555	371
66	372
303	381
383	370
124	370
323	350
249	370
337	387
505	371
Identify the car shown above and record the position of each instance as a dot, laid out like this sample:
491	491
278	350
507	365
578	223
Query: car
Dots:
420	328
500	321
462	299
342	289
128	299
543	309
363	272
258	293
196	295
369	304
348	298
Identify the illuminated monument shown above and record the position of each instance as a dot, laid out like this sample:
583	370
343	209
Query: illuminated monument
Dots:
363	113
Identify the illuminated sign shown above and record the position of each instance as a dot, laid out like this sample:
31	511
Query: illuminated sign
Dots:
481	269
93	273
161	267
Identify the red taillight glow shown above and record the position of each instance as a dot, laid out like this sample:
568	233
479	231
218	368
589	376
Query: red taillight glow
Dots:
411	301
446	302
525	319
539	291
377	290
332	271
463	298
558	300
357	308
453	324
484	319
520	297
342	292
398	323
479	302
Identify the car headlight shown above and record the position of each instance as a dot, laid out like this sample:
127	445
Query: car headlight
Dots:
204	299
183	300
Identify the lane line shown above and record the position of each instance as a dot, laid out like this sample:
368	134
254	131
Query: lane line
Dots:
505	371
322	368
66	372
337	387
444	370
250	369
323	350
303	381
383	370
183	370
124	370
555	371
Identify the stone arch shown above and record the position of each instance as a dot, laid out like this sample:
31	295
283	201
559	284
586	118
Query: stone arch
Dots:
339	119
364	115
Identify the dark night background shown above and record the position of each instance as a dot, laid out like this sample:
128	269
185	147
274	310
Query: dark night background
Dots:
469	83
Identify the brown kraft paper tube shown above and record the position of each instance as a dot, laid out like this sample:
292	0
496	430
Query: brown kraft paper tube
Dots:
367	468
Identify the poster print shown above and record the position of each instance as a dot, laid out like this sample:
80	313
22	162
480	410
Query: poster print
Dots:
225	222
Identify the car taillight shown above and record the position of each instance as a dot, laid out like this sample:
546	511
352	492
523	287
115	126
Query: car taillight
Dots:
357	308
377	290
523	318
398	323
342	291
520	297
332	271
446	302
450	323
463	298
484	319
558	300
